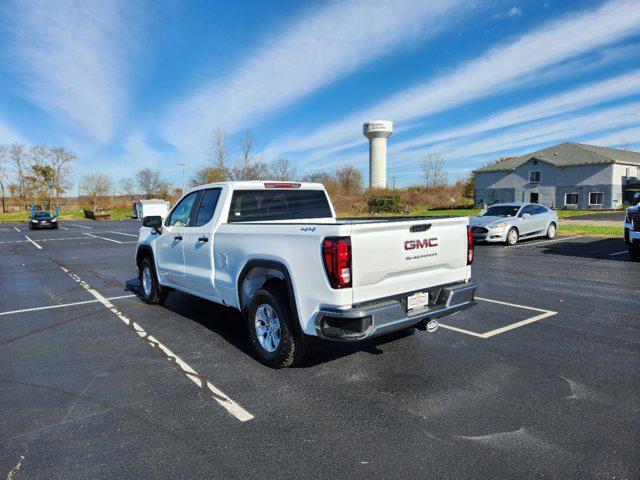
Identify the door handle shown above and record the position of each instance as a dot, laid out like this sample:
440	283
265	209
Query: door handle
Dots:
178	237
203	239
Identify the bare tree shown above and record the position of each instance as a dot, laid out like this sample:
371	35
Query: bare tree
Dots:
433	170
128	187
4	172
249	168
283	169
18	157
219	153
152	184
95	186
207	175
349	180
61	160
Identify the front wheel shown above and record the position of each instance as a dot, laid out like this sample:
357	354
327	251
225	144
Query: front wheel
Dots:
551	231
151	291
273	335
512	237
634	253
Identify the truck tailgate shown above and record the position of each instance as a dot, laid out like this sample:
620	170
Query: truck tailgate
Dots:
390	258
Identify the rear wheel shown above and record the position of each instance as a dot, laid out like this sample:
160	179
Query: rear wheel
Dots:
275	339
150	289
512	237
551	231
634	253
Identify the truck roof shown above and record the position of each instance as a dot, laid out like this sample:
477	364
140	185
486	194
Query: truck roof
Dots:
263	185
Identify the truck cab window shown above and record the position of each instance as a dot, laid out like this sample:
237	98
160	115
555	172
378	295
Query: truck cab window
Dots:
207	206
180	215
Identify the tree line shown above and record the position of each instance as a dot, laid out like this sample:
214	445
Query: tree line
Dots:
37	174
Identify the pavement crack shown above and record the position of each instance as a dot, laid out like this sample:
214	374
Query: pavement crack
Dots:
18	466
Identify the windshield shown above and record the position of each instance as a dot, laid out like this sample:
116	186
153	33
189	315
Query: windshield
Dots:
500	211
41	214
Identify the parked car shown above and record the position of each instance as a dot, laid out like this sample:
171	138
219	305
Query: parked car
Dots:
276	252
632	231
510	222
42	220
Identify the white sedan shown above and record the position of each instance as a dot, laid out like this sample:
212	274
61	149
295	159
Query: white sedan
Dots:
510	222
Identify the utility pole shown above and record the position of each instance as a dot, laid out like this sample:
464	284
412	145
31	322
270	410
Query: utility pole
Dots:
182	165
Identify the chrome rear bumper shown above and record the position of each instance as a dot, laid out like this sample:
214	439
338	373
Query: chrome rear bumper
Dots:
389	316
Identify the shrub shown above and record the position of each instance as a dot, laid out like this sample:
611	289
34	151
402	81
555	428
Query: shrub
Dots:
385	202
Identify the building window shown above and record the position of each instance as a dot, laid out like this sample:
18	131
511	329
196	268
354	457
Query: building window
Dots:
571	199
596	198
534	176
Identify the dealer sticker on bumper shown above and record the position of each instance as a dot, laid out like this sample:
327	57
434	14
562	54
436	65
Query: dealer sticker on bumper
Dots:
417	301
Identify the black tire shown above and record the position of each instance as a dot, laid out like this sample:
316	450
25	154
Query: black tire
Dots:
292	344
156	294
512	237
552	232
55	226
634	253
30	226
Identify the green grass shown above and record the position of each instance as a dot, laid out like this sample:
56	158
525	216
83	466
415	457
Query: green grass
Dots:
589	231
575	213
75	215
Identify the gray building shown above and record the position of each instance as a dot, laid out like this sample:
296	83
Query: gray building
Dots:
569	175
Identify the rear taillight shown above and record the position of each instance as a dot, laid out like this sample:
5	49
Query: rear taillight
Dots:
336	254
470	250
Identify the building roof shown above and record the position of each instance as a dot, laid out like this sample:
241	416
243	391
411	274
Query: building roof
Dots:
568	154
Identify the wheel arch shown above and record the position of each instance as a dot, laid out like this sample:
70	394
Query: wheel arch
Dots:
143	252
260	273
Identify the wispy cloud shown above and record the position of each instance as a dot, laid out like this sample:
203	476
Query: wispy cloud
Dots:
512	12
9	134
322	46
71	58
556	105
555	130
499	70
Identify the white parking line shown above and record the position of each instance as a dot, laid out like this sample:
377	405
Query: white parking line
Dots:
618	253
104	238
62	305
123	233
63	228
81	226
37	246
543	314
232	407
16	228
543	242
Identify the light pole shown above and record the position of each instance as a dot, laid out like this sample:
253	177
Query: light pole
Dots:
182	165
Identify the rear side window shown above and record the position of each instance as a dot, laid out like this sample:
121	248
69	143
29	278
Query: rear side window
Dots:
261	205
207	206
537	210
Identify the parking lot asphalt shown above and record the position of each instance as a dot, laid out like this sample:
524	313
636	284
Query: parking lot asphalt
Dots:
540	379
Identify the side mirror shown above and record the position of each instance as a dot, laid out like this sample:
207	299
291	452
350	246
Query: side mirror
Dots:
153	221
525	215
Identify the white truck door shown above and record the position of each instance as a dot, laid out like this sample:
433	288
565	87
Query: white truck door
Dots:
169	245
198	246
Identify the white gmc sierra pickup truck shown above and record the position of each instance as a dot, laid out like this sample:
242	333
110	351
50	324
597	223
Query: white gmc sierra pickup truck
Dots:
276	252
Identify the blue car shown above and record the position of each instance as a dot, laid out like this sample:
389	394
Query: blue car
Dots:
42	220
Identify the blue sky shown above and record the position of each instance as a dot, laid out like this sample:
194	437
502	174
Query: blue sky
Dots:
130	84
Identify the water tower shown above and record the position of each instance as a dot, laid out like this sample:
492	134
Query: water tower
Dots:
377	132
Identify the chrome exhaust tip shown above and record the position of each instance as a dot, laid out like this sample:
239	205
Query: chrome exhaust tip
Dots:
432	326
